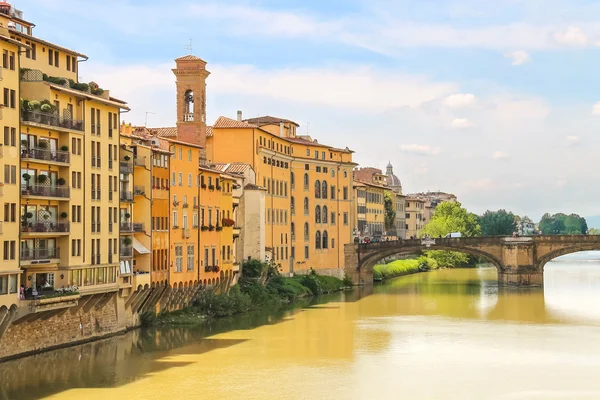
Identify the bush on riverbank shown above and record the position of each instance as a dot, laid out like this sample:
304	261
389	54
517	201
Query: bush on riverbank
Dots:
260	286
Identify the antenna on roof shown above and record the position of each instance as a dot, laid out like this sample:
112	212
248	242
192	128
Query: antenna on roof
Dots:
146	120
190	47
307	124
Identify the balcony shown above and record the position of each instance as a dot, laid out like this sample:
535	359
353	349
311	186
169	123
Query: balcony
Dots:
38	117
293	235
126	227
45	227
175	203
125	167
185	233
139	190
42	154
126	251
138	227
185	205
46	191
126	196
139	161
38	253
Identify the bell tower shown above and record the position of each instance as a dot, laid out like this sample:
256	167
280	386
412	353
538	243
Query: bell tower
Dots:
191	77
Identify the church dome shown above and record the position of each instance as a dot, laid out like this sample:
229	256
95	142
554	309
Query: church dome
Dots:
392	179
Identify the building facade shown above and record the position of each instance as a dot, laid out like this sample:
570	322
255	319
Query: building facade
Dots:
415	216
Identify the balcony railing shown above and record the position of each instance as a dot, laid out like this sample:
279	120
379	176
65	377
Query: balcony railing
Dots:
126	227
39	253
293	235
38	153
139	190
125	167
126	196
46	227
138	227
126	251
139	161
185	205
185	233
45	191
52	120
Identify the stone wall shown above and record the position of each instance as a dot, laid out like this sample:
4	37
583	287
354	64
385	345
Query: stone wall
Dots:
70	325
335	272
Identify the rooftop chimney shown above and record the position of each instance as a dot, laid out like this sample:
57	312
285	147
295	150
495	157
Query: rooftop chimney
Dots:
281	128
239	115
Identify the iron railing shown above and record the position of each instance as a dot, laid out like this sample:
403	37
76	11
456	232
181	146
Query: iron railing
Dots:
39	253
52	120
45	191
46	226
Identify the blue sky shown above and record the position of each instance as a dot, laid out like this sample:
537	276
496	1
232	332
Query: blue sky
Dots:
492	100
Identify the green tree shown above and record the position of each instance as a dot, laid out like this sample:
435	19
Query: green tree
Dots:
496	223
594	231
390	211
562	224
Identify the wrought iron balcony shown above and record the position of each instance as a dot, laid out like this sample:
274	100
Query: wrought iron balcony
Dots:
45	191
43	118
139	190
125	167
36	253
42	154
138	227
45	227
126	196
126	251
126	227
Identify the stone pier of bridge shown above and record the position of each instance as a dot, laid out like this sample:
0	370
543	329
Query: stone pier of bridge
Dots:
520	261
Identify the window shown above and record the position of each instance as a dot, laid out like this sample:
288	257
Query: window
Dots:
332	172
318	240
293	205
317	189
10	212
324	190
178	258
190	257
332	192
190	155
318	169
318	214
333	243
306	252
181	179
325	238
9	250
322	155
10	174
10	136
50	56
306	206
307	152
345	218
317	154
190	180
305	181
324	215
332	218
345	192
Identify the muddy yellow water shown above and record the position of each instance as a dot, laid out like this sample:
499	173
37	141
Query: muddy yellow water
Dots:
449	334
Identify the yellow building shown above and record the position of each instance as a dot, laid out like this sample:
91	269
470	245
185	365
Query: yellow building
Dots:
60	161
370	211
306	227
415	216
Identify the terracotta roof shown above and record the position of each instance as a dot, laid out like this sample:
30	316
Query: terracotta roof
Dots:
170	131
38	40
251	186
171	140
370	184
119	103
209	131
189	57
268	120
307	142
232	168
224	122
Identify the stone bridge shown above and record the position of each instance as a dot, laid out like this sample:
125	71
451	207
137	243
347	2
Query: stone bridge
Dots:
520	261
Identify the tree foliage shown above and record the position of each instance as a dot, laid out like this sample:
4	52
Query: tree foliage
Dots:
451	217
390	211
562	224
594	231
498	223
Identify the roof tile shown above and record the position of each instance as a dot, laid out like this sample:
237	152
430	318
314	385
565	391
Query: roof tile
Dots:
224	122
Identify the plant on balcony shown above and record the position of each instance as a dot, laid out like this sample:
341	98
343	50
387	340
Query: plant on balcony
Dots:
24	143
46	108
219	228
208	268
27	178
227	222
127	241
127	216
211	187
216	268
64	215
211	227
64	148
204	228
54	79
127	158
32	105
61	181
42	178
203	186
84	87
43	144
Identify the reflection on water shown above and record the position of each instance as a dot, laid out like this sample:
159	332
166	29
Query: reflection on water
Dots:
450	334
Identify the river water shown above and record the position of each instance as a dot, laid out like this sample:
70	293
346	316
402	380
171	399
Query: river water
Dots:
450	334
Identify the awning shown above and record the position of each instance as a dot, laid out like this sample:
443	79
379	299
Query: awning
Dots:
139	247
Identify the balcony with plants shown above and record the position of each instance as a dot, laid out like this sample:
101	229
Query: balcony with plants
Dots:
43	152
44	222
35	75
126	249
43	186
126	166
45	113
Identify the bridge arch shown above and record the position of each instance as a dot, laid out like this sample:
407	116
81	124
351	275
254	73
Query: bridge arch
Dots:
373	259
546	258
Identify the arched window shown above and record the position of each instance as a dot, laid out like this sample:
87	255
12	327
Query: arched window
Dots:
332	172
306	232
292	180
305	181
325	241
293	205
317	189
324	190
306	206
318	240
324	215
189	106
318	214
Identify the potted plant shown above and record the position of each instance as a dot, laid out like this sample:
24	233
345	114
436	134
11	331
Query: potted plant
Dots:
204	228
43	144
211	227
24	142
127	241
219	228
211	187
64	148
127	216
42	178
208	268
203	186
26	217
64	215
127	158
46	108
27	178
61	181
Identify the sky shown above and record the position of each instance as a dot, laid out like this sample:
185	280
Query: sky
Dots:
497	101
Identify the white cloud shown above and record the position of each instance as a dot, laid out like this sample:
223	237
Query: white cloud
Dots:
420	149
519	57
459	100
596	109
461	123
573	140
573	36
498	155
479	184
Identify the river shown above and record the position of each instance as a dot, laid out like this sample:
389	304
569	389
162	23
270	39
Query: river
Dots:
449	334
